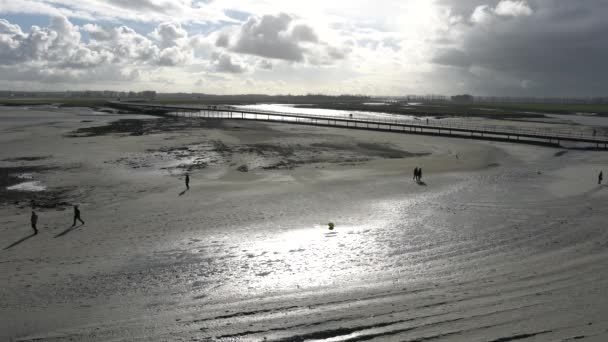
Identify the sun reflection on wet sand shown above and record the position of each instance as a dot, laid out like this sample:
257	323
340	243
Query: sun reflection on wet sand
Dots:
303	257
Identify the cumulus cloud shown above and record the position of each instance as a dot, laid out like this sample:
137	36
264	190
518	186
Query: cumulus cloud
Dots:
222	40
11	38
268	36
123	43
172	56
513	8
58	44
505	8
224	63
169	34
303	33
481	14
280	37
58	51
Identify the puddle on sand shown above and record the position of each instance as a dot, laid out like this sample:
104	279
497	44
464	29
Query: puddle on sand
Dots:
33	186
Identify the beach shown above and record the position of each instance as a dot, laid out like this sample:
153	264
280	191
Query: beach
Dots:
499	242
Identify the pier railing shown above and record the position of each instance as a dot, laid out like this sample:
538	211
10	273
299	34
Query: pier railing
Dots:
444	127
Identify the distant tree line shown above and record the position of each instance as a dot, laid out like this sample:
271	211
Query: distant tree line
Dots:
467	98
301	99
509	99
261	98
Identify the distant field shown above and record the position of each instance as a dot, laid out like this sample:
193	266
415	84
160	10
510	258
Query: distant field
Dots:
431	110
543	107
90	102
494	110
62	101
203	99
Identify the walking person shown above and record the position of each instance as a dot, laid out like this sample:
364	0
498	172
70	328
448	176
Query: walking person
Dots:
187	181
600	177
77	216
419	174
34	221
415	173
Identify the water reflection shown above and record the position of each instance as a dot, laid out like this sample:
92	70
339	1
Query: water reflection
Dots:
289	108
586	120
305	257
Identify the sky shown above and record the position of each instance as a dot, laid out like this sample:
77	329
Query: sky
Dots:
370	47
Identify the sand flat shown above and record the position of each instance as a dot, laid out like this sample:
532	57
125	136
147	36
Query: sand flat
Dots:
503	242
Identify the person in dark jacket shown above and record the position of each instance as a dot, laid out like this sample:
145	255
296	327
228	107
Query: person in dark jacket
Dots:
77	216
187	181
34	221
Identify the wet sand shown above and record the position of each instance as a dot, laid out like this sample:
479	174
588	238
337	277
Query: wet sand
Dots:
502	242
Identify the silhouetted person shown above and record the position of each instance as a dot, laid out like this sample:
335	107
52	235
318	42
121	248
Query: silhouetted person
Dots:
600	177
427	121
419	174
187	181
77	216
415	173
34	220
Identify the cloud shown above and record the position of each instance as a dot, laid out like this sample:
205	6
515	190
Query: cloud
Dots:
222	40
554	50
494	47
265	65
513	8
42	8
58	44
280	37
149	5
268	36
169	34
481	14
11	37
123	43
172	56
111	10
58	52
223	63
505	8
303	33
34	74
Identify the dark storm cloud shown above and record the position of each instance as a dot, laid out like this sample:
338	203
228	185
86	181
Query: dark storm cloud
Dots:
559	49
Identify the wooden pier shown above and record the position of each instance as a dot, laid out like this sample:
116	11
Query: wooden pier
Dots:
433	127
